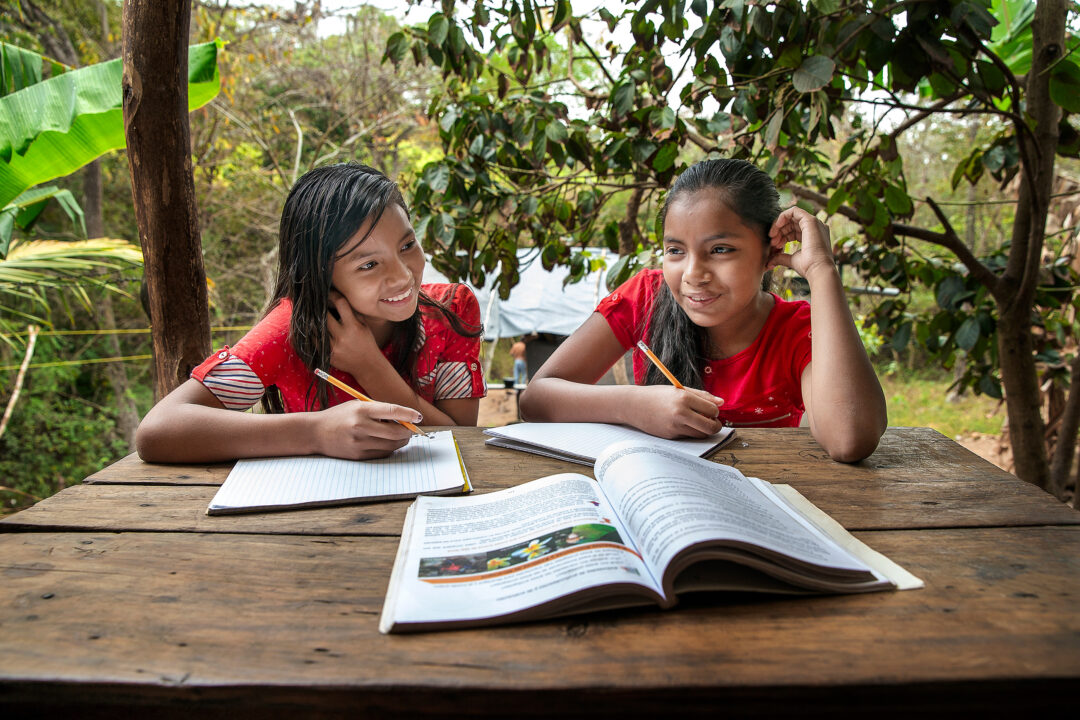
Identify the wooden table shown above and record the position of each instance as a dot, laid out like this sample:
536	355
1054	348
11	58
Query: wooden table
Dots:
123	593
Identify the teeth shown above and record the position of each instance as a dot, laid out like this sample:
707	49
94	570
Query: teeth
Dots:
402	296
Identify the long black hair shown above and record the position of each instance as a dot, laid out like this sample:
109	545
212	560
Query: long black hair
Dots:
680	344
324	209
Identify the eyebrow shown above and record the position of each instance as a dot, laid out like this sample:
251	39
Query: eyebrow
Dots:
351	254
717	236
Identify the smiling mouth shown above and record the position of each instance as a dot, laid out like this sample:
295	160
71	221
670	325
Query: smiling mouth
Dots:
700	299
398	298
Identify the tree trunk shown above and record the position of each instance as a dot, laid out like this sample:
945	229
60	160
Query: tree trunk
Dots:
155	56
1015	296
629	224
1023	404
1066	435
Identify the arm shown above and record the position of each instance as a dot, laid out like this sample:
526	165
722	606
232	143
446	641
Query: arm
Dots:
355	351
563	390
191	425
843	398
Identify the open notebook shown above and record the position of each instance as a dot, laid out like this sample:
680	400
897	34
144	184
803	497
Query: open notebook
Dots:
582	442
426	466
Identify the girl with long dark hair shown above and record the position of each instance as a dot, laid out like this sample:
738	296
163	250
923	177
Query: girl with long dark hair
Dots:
349	300
742	353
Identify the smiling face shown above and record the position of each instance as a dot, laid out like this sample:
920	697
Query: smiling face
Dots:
713	265
380	274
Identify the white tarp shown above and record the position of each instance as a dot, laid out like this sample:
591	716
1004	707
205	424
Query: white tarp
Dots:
539	303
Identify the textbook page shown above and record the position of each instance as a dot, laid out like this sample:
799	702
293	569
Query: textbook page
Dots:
670	501
582	442
497	554
426	465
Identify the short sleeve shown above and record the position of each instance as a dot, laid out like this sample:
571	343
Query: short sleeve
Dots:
230	380
628	308
457	369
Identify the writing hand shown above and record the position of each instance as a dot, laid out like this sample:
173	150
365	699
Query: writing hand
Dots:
671	412
357	430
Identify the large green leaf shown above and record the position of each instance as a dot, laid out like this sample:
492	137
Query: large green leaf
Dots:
24	210
53	128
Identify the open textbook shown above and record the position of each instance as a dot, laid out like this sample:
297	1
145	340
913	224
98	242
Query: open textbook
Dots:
654	524
582	442
428	464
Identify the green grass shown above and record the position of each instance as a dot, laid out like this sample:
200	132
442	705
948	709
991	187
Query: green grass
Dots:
918	398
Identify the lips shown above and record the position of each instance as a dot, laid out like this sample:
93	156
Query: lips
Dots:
700	299
402	297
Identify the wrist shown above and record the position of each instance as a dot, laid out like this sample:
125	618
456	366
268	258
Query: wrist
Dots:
822	273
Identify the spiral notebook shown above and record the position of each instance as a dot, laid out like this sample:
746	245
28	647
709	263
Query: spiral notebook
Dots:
426	466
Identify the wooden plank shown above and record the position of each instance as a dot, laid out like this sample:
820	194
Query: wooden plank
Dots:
233	619
859	498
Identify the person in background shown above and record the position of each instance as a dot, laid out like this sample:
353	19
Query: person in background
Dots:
517	351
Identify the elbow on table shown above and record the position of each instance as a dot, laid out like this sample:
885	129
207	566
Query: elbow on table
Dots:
152	439
853	446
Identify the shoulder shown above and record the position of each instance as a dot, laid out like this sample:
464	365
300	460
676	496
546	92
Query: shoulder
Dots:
638	289
273	329
456	296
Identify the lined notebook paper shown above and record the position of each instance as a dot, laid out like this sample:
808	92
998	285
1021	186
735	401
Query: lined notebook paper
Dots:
424	466
582	442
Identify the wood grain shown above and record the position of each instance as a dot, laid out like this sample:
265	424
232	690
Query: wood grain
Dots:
233	619
918	478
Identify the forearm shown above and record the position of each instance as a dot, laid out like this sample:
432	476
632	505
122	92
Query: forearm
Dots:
383	383
847	407
552	399
197	433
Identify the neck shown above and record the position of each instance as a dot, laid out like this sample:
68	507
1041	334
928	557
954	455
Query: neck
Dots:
381	330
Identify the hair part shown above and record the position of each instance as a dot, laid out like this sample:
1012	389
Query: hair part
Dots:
680	344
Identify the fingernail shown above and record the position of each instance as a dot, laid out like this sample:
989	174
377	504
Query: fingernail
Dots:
719	402
419	418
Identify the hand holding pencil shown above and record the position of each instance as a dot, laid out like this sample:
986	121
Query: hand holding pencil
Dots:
361	396
692	402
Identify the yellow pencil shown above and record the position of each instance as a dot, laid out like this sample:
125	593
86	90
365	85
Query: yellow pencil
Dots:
656	361
361	396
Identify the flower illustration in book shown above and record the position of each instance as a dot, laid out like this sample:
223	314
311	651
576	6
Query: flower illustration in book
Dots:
548	545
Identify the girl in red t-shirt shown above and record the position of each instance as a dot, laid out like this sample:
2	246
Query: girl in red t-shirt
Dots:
349	300
742	353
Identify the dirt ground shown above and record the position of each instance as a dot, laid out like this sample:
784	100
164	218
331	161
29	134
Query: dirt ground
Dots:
500	408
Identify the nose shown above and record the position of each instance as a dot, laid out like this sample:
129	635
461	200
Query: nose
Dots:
400	273
697	270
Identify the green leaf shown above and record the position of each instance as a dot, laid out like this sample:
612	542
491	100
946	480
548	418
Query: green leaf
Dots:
901	337
838	198
772	132
437	176
397	45
1065	85
438	27
826	7
19	68
55	127
622	99
815	73
556	131
898	201
968	334
665	158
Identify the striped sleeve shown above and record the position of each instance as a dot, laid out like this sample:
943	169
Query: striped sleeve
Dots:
454	380
234	383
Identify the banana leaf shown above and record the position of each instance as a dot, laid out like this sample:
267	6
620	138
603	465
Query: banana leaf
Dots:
53	128
24	210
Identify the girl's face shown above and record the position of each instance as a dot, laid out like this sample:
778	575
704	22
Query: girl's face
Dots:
380	277
713	262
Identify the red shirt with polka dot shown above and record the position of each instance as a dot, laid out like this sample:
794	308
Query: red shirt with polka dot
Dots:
447	364
761	386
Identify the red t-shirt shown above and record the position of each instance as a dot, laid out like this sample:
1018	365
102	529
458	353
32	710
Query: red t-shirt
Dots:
447	365
761	386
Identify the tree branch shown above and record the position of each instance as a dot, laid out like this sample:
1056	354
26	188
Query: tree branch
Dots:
948	239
